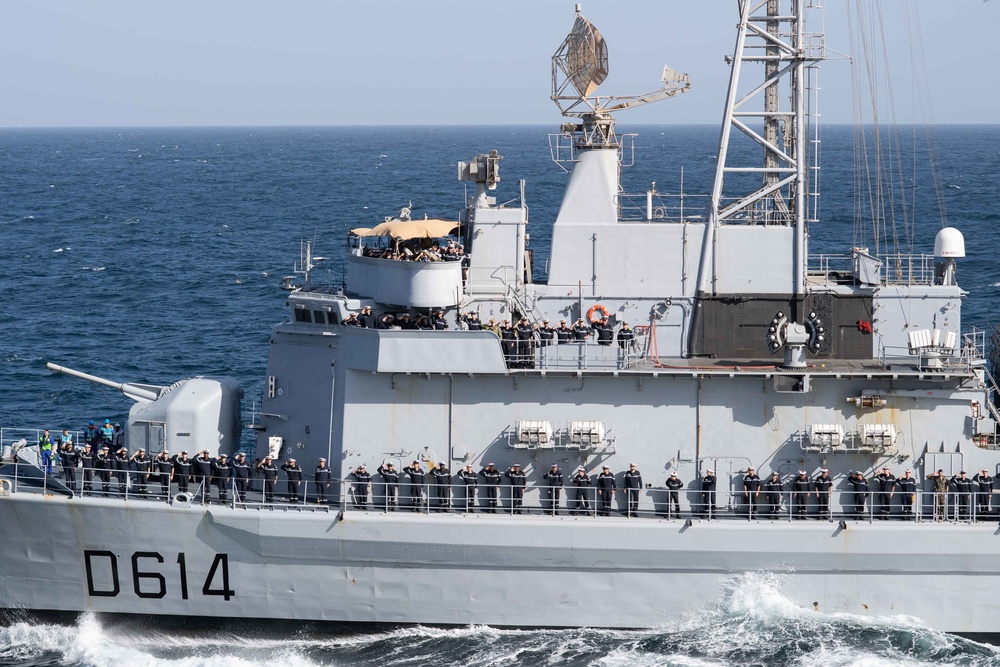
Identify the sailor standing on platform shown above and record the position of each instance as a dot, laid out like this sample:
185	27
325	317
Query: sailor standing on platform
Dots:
293	473
554	478
142	465
823	484
441	477
87	461
674	485
708	485
517	482
581	480
492	478
908	491
321	477
963	487
468	477
546	334
632	481
860	486
605	490
103	463
885	486
203	471
801	486
222	474
69	459
241	476
164	469
772	493
45	448
417	476
563	333
122	466
180	471
269	471
362	485
985	484
390	483
751	490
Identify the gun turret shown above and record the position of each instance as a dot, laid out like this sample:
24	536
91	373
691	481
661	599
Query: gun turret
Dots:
137	392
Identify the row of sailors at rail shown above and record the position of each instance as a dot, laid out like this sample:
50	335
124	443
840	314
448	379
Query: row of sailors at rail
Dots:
418	250
507	330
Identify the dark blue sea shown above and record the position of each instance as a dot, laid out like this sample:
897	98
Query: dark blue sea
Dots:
152	255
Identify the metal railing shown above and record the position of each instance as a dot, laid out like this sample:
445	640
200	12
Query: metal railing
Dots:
898	269
574	354
532	499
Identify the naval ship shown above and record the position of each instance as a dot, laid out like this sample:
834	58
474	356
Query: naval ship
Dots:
742	352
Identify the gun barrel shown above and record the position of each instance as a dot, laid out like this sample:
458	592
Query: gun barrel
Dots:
134	391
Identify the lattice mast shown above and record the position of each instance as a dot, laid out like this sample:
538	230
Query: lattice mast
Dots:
778	41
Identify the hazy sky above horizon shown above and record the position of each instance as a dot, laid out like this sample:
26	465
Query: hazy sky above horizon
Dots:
399	62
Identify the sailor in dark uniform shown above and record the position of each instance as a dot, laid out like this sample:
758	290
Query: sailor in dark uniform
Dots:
985	484
801	487
471	320
525	342
626	337
563	333
351	321
366	319
164	467
241	476
709	482
362	484
441	477
823	484
438	322
581	332
103	463
142	465
122	466
885	485
605	332
222	474
469	479
581	480
293	475
321	478
203	472
508	340
674	485
605	490
860	486
546	334
181	471
772	493
70	459
751	490
963	487
390	483
517	480
554	479
491	476
87	461
269	471
417	476
908	492
632	481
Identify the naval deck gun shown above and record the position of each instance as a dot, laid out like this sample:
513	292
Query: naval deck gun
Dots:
194	414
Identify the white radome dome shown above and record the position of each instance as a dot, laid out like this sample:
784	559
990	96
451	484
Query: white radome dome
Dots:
949	242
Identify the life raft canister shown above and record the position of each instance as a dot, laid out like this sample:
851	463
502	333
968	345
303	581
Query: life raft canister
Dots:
597	308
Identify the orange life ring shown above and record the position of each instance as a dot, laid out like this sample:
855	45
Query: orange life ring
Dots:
597	308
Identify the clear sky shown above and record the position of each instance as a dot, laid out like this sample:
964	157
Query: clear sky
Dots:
377	62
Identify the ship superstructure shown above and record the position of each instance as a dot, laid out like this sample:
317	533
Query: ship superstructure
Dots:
745	353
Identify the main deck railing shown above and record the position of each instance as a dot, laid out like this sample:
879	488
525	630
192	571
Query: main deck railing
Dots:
542	500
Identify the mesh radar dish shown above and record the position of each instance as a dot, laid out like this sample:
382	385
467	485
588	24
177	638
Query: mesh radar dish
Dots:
580	65
583	57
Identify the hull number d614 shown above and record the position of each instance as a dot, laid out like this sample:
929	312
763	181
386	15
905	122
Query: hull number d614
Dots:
149	579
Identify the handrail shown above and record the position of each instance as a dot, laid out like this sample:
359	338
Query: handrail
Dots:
534	499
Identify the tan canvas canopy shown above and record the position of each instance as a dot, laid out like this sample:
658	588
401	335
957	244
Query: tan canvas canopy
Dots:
410	229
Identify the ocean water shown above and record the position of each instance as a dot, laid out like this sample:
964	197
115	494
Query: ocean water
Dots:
151	255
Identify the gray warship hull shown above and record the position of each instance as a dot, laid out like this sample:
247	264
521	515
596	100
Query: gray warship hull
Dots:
139	558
